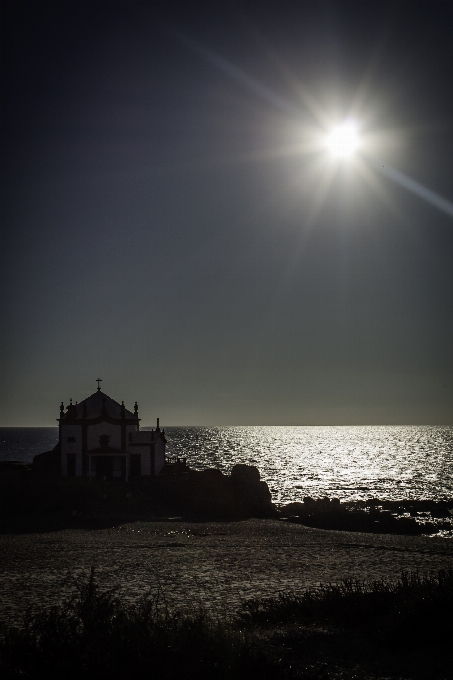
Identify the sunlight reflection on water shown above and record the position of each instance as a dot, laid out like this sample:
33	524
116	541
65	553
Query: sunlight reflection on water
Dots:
350	463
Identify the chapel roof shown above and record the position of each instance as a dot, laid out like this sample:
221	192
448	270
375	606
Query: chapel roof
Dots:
94	404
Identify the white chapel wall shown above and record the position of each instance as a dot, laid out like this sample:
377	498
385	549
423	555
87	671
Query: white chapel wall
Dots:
72	432
146	459
110	429
130	429
72	447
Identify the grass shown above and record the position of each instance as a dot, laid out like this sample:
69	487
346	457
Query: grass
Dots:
95	635
350	631
416	609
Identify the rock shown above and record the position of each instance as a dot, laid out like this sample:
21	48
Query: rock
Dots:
238	496
252	498
309	502
311	506
13	468
209	495
245	474
48	462
293	509
196	494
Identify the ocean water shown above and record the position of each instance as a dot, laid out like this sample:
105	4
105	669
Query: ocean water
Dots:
350	463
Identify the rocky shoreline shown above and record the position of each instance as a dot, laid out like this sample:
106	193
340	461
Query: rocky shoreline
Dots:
28	497
192	495
404	517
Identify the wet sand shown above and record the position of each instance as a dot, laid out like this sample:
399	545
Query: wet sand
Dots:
216	565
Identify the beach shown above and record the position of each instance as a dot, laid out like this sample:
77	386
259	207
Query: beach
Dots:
216	565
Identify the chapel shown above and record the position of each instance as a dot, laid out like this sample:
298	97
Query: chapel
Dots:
98	437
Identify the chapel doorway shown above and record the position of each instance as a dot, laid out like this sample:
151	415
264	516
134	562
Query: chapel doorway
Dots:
136	465
71	459
104	467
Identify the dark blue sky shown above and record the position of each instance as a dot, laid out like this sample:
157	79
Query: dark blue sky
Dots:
166	229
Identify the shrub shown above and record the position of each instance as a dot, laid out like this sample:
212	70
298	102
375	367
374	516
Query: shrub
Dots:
416	609
95	635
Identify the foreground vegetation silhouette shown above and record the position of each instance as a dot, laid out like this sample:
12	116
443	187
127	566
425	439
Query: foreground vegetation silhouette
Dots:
352	631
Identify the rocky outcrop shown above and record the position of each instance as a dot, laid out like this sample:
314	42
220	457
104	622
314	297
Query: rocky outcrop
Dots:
251	496
48	462
12	469
200	495
371	516
237	496
210	494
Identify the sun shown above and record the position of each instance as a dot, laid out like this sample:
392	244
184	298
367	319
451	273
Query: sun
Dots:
343	140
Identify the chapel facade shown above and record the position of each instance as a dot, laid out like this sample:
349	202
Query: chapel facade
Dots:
98	437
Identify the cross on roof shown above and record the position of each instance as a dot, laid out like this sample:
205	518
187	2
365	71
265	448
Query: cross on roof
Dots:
99	380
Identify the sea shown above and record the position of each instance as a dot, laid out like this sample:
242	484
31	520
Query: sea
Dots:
349	463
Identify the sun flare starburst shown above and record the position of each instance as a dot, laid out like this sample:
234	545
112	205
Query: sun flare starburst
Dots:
343	140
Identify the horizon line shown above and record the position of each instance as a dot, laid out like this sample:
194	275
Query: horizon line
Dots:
271	425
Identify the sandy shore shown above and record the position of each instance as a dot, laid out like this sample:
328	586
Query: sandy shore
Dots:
214	564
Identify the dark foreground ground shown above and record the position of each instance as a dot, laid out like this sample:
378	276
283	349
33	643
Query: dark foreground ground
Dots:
218	564
217	567
220	599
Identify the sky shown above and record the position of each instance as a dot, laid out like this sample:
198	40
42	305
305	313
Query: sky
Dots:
174	224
